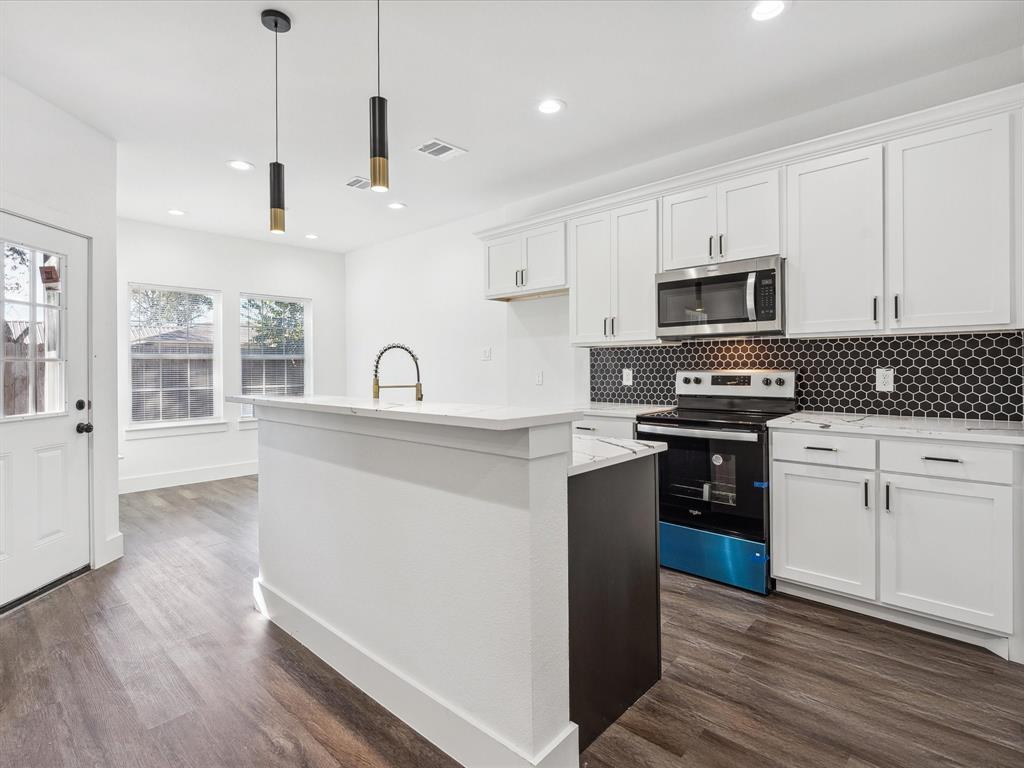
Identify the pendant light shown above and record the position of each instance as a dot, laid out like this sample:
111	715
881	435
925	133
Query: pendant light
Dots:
277	22
378	130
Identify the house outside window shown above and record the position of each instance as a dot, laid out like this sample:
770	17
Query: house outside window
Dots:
272	336
174	336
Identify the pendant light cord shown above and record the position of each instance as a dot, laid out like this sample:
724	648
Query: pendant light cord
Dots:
276	127
378	47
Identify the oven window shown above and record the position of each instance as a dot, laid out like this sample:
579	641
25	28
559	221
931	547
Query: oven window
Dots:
707	301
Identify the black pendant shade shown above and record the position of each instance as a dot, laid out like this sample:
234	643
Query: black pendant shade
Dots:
378	144
277	22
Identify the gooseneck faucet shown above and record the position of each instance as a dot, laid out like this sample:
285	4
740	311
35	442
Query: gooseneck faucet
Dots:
377	386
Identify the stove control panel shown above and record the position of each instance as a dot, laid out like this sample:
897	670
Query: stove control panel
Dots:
737	383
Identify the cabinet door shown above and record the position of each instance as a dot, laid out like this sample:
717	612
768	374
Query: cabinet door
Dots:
946	549
823	527
949	226
635	263
748	216
689	230
504	260
544	258
590	276
834	237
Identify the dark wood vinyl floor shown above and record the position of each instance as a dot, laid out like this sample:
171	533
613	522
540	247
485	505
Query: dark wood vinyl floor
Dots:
159	661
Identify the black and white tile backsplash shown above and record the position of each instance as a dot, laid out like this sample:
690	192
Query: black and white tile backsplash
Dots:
975	375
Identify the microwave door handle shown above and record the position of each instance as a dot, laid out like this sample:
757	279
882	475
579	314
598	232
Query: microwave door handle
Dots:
751	305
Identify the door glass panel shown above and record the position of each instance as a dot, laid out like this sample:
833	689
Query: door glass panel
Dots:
33	370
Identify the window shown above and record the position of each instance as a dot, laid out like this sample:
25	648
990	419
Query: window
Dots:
173	337
32	308
272	333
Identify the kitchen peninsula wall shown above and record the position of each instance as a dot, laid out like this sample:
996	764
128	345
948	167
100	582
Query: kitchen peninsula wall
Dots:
971	375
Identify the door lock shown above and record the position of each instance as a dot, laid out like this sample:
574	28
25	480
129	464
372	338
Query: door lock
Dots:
79	405
83	427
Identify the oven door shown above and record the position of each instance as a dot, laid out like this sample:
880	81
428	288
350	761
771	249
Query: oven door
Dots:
712	478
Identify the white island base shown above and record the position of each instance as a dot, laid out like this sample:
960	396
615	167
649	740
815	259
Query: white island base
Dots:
420	550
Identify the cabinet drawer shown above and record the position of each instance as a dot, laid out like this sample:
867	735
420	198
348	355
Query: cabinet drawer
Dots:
834	450
938	459
603	426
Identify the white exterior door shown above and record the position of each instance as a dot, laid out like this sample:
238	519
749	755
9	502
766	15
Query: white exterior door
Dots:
635	260
823	527
544	258
689	230
748	216
590	272
946	549
949	226
44	462
504	260
835	265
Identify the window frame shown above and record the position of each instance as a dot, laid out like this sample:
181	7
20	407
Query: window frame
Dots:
249	421
168	427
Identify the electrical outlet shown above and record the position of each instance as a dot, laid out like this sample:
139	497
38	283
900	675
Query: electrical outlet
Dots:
485	355
885	379
538	378
627	377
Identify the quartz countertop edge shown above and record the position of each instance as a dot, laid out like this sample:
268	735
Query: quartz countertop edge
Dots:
963	430
590	453
622	410
472	415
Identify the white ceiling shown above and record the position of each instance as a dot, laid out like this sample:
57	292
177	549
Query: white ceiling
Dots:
186	86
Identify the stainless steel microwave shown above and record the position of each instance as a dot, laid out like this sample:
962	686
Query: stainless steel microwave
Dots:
737	298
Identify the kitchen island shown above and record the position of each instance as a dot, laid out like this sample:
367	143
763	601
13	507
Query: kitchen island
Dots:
421	549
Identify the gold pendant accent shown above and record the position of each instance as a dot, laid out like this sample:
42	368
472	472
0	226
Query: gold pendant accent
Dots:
277	219
379	174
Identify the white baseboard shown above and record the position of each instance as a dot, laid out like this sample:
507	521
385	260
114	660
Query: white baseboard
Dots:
455	733
186	476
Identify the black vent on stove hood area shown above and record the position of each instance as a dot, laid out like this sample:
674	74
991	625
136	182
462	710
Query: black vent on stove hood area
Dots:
971	375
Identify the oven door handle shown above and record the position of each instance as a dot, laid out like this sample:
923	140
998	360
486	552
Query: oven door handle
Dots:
751	305
712	434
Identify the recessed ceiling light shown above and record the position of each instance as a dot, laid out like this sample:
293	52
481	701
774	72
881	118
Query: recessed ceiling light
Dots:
176	212
240	165
311	236
551	106
396	206
767	9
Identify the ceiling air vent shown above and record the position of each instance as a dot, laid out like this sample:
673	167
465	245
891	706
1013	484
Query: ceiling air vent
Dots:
442	150
358	182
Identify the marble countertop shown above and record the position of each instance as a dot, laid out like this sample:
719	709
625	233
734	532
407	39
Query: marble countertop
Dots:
475	416
621	410
964	430
590	453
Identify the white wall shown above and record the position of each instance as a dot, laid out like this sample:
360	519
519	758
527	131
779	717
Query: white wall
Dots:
56	169
426	289
170	256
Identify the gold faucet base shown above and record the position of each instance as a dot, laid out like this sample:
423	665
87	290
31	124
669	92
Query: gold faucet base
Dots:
377	387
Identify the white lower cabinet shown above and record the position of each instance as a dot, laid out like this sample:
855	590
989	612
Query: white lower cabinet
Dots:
946	549
823	527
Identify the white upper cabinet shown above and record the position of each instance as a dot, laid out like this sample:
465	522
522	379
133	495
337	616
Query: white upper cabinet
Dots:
689	228
835	265
526	263
949	227
613	258
590	273
823	527
946	549
635	260
736	219
748	216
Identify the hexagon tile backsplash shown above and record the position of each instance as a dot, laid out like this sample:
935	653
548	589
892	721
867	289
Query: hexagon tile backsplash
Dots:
973	375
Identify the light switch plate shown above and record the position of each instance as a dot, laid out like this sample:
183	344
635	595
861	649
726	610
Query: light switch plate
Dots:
885	379
538	378
627	377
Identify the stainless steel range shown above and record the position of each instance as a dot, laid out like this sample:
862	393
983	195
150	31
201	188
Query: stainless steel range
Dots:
714	506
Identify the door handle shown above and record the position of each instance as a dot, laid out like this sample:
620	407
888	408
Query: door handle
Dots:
874	309
523	271
83	427
819	448
606	326
940	458
866	504
720	251
711	242
896	305
706	492
587	429
613	326
887	508
517	278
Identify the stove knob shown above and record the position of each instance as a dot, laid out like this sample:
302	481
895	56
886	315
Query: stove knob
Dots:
696	379
780	381
686	379
766	381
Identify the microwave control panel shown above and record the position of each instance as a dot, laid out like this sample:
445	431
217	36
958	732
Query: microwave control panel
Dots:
764	294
